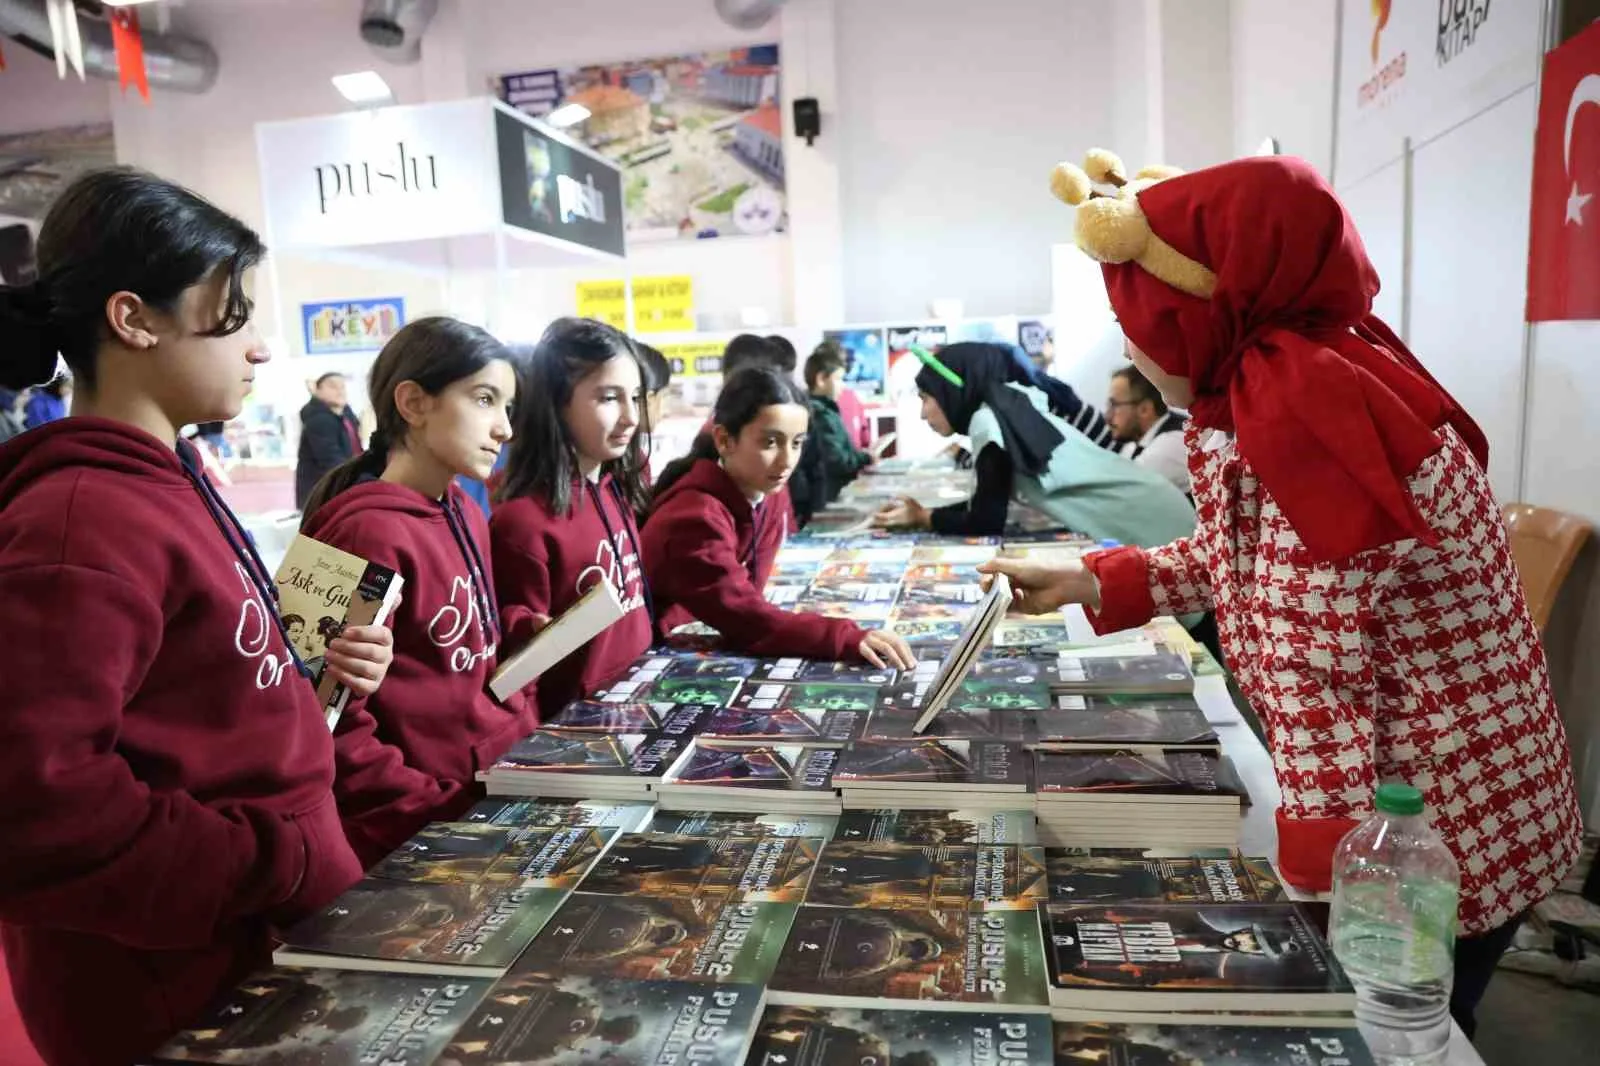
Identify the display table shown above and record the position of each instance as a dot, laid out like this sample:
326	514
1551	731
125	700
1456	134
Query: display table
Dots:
1259	833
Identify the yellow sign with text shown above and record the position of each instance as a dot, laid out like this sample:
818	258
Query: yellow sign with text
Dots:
693	358
663	304
604	301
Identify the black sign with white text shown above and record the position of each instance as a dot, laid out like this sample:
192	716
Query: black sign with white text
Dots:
548	187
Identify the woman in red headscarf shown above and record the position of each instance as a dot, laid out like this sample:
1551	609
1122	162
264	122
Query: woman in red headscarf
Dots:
1348	541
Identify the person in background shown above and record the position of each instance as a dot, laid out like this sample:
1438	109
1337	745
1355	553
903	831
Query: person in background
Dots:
788	357
564	518
1064	401
330	434
47	403
1019	447
1351	545
441	391
657	376
168	791
1147	430
719	518
841	459
809	490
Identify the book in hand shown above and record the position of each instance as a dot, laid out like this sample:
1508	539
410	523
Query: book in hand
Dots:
321	590
643	938
735	824
975	636
785	778
553	813
452	929
938	826
478	853
561	1020
772	868
603	765
595	611
1076	877
837	1036
1261	957
947	959
1204	1045
1163	672
306	1017
908	876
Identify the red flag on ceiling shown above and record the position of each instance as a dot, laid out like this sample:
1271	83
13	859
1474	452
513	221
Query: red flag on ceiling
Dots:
129	47
1564	226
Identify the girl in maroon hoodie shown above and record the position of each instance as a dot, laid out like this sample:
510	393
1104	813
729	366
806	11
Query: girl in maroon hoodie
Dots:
165	768
441	391
720	516
565	515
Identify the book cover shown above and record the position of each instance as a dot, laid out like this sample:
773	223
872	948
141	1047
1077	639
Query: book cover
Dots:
872	573
306	1017
792	671
947	958
594	612
1178	947
1129	724
656	938
771	868
851	592
973	764
1110	1044
595	716
939	827
784	725
1171	773
1077	878
321	590
1161	672
583	1021
551	751
710	690
952	724
774	767
851	1036
807	696
428	926
1035	636
963	591
670	663
479	853
891	876
720	823
1020	692
550	813
1111	701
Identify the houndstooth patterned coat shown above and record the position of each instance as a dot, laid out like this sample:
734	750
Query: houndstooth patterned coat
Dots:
1405	662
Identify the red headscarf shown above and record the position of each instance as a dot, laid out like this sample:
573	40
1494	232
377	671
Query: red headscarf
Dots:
1330	409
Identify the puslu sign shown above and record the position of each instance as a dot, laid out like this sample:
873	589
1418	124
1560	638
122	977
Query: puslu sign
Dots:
1459	23
404	172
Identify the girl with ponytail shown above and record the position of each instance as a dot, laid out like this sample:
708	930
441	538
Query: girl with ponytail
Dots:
441	392
164	762
720	517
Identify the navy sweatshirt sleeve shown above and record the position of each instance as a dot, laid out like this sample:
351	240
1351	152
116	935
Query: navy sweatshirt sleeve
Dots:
984	515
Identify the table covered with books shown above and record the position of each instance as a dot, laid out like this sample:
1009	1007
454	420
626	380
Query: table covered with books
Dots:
722	859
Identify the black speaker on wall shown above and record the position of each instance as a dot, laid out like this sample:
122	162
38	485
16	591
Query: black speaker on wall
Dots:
16	255
807	119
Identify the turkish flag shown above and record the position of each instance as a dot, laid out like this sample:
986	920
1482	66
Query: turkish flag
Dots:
1564	237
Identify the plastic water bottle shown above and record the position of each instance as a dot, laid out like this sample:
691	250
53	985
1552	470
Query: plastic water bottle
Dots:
1395	888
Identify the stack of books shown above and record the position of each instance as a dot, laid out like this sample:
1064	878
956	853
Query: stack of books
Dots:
1135	796
580	763
790	779
934	774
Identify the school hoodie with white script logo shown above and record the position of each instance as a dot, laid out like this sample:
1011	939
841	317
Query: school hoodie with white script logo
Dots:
407	755
165	768
543	563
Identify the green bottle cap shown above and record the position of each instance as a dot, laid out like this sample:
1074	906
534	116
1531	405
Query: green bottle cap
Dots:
1397	797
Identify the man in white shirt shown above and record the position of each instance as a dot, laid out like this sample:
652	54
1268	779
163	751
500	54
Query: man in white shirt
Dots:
1148	432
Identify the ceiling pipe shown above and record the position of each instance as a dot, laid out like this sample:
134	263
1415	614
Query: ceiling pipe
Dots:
181	64
394	28
747	14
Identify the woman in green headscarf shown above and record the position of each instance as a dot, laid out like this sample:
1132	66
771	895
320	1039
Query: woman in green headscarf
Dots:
1020	449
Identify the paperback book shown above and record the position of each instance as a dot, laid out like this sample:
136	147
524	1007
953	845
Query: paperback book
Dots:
1128	724
1112	1044
784	725
596	611
710	690
771	869
1078	878
478	853
952	724
595	716
1159	673
786	778
608	765
939	826
950	766
306	1017
863	1036
812	671
1131	772
806	696
892	876
946	959
551	813
725	823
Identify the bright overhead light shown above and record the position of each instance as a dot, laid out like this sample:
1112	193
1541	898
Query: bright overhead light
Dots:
567	115
363	87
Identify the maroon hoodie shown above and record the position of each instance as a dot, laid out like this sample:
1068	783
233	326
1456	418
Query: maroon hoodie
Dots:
543	562
709	553
407	755
164	766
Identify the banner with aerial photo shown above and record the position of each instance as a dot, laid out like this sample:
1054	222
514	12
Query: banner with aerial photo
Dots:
699	137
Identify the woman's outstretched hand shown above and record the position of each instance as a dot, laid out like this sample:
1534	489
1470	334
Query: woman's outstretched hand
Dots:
1039	588
903	513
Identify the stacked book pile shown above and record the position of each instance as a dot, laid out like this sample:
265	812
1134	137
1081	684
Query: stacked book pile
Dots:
1135	796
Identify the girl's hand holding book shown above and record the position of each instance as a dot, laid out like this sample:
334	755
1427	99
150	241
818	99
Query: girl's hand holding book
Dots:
360	657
